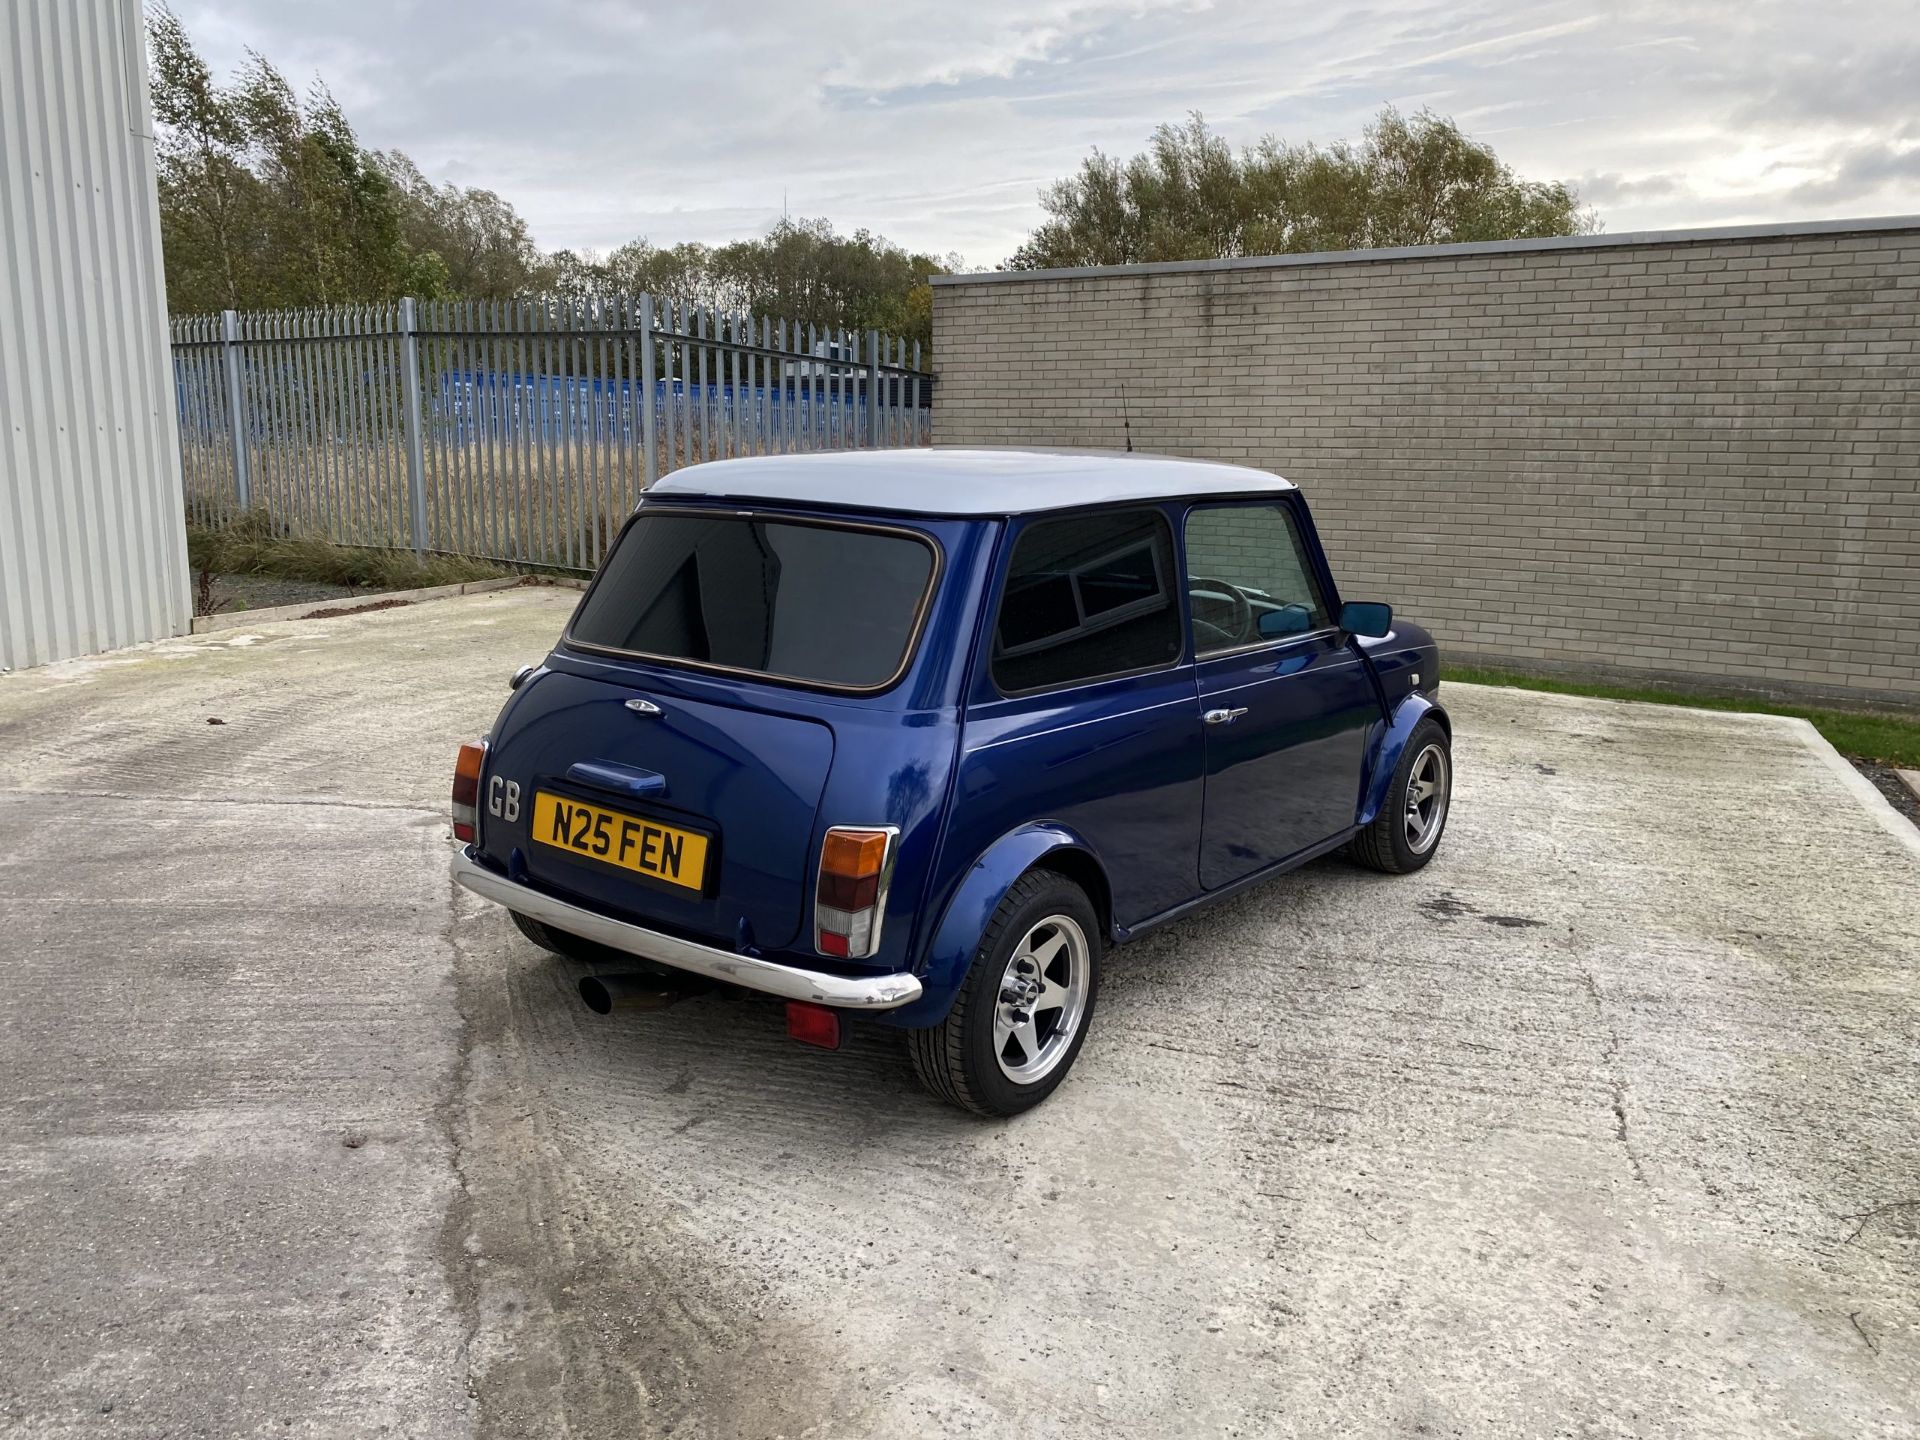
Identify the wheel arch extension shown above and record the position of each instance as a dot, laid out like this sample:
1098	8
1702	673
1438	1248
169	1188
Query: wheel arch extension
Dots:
1081	867
1039	845
1392	744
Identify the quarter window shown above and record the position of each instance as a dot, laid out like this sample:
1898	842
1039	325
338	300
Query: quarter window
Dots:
1087	596
1248	579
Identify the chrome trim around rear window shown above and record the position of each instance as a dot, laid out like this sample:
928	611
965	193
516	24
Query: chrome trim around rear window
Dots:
735	512
789	982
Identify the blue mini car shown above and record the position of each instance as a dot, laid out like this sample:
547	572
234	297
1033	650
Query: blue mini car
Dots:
919	734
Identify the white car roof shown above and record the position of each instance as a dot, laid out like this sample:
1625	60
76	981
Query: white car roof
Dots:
964	481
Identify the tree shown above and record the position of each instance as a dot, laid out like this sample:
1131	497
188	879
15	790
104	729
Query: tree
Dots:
479	238
1411	181
266	198
207	194
330	224
801	270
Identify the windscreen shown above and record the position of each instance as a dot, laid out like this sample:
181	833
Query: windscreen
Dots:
823	603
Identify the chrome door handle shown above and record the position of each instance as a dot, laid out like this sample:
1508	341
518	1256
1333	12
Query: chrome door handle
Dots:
1224	717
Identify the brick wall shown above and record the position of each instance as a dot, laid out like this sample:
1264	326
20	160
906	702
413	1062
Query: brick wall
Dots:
1689	458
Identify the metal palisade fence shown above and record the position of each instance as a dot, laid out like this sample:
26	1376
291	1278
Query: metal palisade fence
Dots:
517	431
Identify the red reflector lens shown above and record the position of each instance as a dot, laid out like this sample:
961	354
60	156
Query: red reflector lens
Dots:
813	1024
832	944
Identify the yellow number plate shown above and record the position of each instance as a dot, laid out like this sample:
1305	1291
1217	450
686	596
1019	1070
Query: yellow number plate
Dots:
646	847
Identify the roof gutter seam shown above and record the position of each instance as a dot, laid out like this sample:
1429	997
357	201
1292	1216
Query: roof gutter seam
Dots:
1546	244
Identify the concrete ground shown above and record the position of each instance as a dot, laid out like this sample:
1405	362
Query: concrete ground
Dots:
1603	1124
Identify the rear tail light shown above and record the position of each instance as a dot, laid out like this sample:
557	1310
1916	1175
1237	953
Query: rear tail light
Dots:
856	862
466	788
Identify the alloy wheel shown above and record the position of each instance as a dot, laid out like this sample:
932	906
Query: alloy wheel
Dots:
1426	799
1042	999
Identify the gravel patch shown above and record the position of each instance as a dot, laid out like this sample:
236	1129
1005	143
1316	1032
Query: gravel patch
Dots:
233	593
1891	786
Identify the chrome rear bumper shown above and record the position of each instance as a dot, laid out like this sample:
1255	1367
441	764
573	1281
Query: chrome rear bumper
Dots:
789	982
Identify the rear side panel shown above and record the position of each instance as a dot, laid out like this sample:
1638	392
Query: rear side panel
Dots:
1118	763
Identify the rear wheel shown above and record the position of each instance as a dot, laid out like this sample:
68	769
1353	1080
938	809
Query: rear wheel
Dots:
1017	1025
1413	816
573	947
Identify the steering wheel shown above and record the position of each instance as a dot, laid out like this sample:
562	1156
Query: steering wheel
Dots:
1240	626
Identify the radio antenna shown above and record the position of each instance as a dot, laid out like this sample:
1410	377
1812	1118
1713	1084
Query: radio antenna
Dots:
1126	421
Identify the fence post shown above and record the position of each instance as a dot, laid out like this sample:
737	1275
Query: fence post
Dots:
915	399
649	462
873	389
236	396
416	429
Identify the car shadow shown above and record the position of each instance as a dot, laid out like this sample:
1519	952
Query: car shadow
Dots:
720	1062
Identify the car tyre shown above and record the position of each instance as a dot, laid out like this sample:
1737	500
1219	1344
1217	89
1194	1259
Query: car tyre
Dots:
1406	833
1039	958
574	947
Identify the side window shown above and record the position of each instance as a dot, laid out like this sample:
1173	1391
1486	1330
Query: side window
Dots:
1248	578
1087	596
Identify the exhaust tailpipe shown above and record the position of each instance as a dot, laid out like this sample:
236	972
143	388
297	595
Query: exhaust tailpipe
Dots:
605	994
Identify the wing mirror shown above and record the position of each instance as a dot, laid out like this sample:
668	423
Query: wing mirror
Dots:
1367	618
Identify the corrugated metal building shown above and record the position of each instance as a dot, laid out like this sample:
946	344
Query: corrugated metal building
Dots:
92	539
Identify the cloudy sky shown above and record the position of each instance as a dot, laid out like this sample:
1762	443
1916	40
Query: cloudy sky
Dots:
935	122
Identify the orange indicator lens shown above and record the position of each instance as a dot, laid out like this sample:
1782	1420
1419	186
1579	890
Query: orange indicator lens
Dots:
854	854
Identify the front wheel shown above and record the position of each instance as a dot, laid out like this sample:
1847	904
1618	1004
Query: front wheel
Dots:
1017	1024
1413	816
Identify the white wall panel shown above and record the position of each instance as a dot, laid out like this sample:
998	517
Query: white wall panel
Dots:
92	537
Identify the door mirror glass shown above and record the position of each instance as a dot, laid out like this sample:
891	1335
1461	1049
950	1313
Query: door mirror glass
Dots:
1366	617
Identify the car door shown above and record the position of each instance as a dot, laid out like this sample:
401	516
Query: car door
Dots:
1083	712
1285	700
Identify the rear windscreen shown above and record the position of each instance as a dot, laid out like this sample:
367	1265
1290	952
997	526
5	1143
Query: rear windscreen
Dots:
826	604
